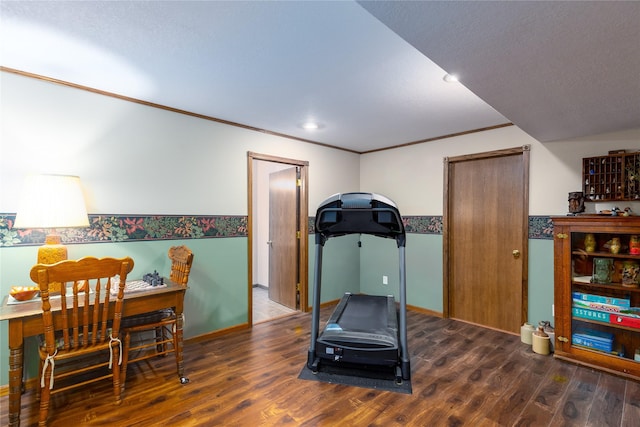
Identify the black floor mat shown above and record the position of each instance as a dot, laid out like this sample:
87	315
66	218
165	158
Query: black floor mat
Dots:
377	380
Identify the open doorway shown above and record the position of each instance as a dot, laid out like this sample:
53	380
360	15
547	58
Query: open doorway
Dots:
278	237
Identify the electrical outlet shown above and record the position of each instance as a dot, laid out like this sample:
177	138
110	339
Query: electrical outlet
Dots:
385	280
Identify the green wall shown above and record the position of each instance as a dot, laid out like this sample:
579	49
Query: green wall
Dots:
217	297
423	253
218	285
340	267
424	272
540	280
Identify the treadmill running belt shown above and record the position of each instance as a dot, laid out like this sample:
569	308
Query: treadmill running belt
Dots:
364	313
362	327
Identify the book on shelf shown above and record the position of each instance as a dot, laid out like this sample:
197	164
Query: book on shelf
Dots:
609	308
631	312
621	319
595	334
586	313
603	299
586	342
593	339
628	317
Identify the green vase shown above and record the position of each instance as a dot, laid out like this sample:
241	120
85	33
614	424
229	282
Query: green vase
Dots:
602	270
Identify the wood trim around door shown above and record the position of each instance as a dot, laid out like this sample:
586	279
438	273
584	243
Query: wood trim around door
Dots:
303	219
525	152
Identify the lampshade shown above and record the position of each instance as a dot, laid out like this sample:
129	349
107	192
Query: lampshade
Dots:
52	201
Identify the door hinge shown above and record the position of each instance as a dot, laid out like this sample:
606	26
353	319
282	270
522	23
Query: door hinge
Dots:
563	339
298	287
298	234
562	235
299	182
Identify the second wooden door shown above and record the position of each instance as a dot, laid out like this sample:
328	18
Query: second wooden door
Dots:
283	239
485	238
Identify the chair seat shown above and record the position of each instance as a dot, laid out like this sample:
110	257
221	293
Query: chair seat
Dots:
146	318
59	337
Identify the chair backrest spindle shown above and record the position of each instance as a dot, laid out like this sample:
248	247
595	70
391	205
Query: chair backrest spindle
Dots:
82	323
181	260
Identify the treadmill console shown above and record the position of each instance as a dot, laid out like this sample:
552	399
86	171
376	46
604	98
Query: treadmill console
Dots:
359	213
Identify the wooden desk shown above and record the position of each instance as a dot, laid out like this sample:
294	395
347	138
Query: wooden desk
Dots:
25	320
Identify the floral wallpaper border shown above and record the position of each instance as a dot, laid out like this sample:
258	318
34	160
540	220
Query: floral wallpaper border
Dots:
130	228
117	228
540	227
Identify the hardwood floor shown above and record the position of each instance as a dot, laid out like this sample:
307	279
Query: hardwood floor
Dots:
462	375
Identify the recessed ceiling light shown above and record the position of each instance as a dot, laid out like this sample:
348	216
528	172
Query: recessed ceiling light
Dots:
450	78
310	126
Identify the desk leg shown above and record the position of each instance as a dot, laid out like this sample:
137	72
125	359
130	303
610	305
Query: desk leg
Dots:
16	360
178	341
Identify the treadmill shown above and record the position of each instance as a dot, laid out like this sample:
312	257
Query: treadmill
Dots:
364	330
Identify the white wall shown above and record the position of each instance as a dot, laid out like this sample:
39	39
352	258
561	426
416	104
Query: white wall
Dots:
135	159
413	176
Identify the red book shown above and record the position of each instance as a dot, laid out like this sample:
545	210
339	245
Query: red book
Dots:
619	319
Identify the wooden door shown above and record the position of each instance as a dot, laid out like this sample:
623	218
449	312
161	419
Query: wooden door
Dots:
485	238
283	241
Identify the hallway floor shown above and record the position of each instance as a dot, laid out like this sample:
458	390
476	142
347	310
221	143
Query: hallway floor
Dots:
264	309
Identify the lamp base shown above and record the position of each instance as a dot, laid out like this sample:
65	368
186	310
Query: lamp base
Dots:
51	252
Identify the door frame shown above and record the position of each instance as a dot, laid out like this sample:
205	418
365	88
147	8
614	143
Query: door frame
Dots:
525	152
303	221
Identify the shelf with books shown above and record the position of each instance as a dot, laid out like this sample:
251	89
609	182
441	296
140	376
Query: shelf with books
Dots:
594	292
606	323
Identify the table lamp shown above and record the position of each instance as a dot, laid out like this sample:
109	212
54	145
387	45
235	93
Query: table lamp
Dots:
50	202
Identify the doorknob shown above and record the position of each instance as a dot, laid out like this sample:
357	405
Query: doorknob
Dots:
516	253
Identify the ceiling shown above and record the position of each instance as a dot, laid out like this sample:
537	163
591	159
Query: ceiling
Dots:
370	73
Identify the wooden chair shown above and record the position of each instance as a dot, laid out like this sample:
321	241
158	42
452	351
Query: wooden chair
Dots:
85	331
161	322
